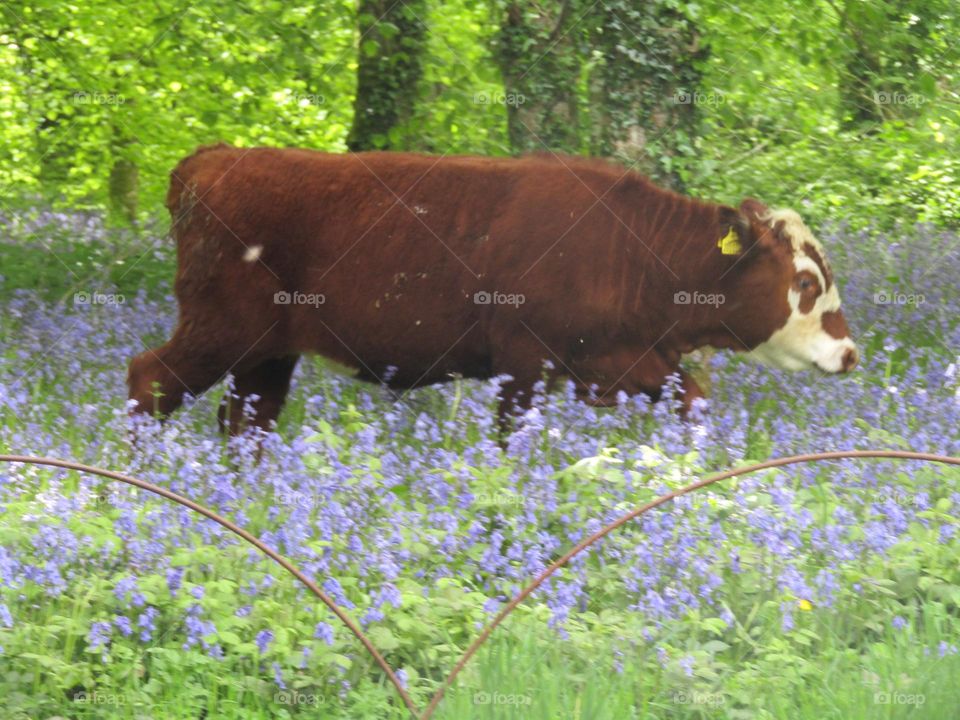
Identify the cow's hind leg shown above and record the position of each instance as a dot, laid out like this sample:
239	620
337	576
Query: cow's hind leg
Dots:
269	381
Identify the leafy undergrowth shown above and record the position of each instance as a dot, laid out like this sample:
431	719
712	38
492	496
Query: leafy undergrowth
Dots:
829	590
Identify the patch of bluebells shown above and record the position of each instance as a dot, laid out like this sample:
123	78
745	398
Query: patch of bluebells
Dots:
410	496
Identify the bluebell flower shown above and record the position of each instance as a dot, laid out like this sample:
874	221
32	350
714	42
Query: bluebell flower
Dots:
263	640
323	632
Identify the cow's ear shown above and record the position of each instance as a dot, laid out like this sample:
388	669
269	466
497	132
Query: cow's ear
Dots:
757	212
754	209
735	234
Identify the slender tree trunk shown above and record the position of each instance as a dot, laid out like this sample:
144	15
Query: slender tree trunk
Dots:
392	38
859	74
880	76
124	183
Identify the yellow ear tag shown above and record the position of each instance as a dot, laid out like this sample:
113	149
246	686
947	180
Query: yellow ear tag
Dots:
729	244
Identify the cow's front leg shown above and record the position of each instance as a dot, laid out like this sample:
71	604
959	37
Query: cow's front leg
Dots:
614	373
630	370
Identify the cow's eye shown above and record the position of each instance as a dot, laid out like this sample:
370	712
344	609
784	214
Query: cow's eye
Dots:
806	284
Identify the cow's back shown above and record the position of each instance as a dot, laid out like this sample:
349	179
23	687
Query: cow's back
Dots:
392	259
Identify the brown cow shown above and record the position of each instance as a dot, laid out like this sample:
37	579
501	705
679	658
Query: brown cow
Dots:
470	266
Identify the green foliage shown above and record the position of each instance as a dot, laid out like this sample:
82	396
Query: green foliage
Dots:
839	107
845	109
779	129
85	88
595	673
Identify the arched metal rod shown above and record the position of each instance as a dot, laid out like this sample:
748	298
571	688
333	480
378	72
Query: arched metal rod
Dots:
603	532
239	531
523	594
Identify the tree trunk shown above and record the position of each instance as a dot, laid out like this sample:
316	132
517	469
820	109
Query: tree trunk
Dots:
537	53
646	91
392	38
616	79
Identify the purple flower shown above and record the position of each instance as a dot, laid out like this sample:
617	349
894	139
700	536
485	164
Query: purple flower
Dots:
99	637
263	640
127	592
324	632
147	622
122	622
728	617
374	493
278	675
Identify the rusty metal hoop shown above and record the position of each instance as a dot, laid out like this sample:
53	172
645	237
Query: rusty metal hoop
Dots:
520	596
240	532
637	512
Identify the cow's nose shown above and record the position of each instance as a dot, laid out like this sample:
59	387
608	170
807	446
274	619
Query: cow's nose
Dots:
850	359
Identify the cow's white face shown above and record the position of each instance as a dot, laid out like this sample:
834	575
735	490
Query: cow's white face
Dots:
815	333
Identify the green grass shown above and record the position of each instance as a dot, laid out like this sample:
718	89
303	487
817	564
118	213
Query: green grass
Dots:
56	265
529	674
526	672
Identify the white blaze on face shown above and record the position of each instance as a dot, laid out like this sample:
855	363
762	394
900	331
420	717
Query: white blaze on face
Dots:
802	341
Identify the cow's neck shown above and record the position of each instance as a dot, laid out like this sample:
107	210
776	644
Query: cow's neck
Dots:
696	265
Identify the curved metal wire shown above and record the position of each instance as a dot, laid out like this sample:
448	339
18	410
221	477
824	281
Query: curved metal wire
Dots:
524	593
637	512
240	532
